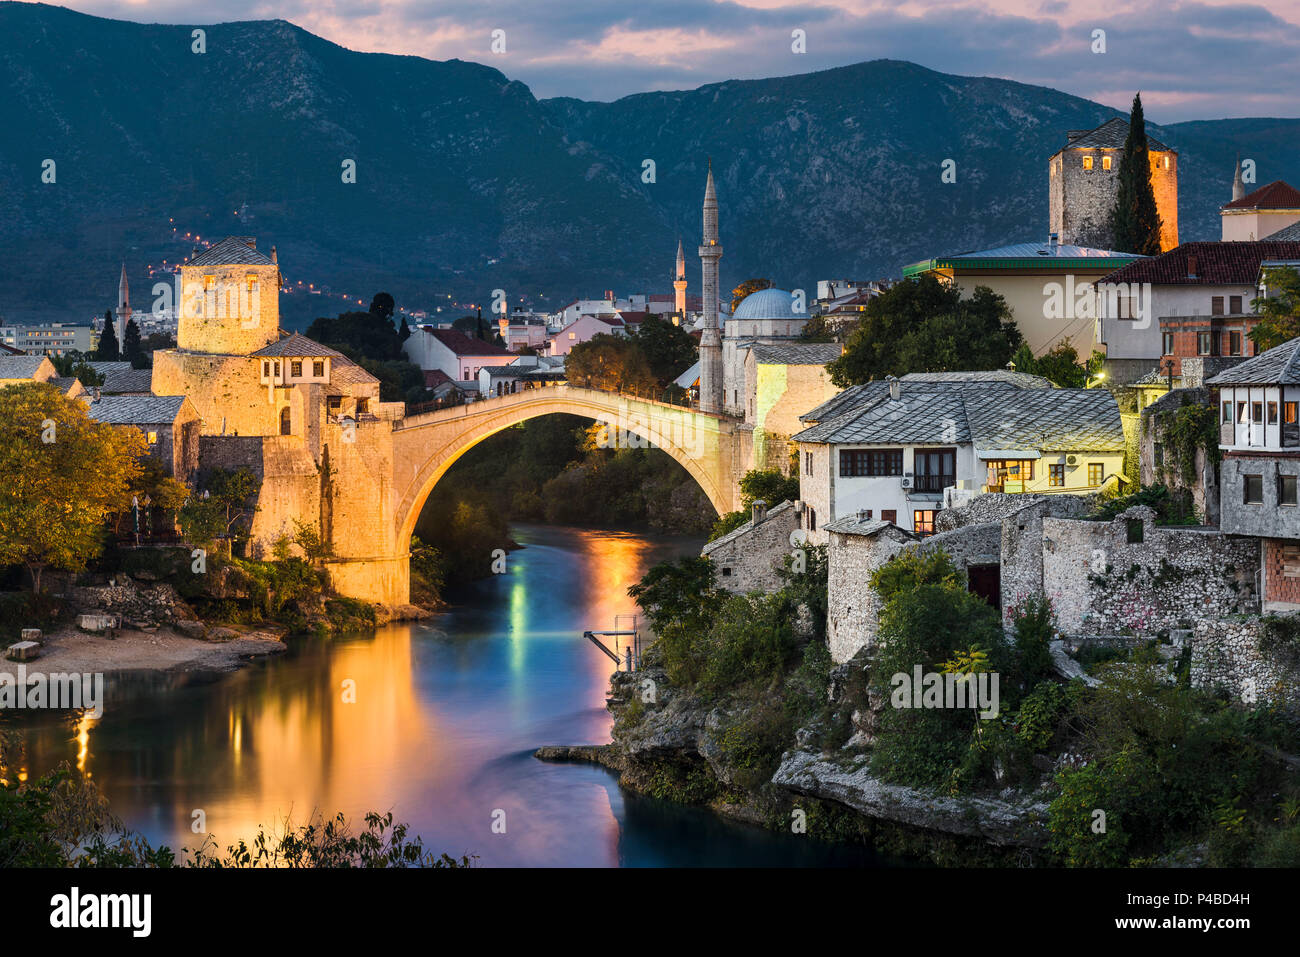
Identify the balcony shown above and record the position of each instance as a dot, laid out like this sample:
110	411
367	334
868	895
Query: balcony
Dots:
933	483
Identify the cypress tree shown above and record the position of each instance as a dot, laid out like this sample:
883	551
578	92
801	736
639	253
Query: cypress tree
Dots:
1135	221
132	350
107	350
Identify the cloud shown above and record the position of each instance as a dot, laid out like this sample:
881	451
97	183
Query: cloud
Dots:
1192	60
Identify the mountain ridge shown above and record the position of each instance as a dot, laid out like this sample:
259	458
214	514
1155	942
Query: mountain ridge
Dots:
466	182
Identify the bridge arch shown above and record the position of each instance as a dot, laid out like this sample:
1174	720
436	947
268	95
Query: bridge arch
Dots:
426	446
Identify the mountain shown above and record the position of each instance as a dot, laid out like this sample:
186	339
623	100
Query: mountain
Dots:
467	183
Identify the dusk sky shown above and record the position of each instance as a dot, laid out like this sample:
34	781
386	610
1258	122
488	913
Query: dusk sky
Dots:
1193	60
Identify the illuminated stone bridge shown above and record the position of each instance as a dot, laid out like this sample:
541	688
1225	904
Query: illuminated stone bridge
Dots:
370	522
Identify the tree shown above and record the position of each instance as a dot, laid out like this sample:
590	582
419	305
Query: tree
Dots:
382	305
609	362
107	350
74	365
745	288
367	334
923	325
404	330
1279	311
64	474
231	498
1060	364
770	485
132	350
1135	221
669	349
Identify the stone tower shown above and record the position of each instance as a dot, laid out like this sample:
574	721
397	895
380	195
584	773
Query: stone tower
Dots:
711	336
123	314
1083	179
679	283
230	299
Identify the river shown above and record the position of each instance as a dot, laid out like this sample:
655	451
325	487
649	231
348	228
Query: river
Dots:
434	721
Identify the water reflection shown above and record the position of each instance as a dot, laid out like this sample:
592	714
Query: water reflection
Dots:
435	722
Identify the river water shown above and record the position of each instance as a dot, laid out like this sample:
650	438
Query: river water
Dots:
441	732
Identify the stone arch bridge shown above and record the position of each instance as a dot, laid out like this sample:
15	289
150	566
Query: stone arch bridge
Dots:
370	527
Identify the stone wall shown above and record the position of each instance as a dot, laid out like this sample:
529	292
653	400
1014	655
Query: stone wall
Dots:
1100	582
749	558
1022	545
852	605
1226	654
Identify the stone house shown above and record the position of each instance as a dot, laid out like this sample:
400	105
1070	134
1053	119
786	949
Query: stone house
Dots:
169	423
750	558
1259	426
18	369
898	450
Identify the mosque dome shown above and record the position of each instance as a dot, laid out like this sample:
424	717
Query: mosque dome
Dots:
768	304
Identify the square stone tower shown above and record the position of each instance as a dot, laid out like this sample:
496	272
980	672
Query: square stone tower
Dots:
230	299
1083	178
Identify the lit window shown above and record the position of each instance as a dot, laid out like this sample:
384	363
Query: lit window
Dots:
573	335
923	522
1087	162
153	438
1105	162
1168	162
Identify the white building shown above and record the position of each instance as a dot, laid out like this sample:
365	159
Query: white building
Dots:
887	451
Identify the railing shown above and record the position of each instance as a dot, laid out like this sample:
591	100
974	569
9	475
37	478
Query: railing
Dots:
933	483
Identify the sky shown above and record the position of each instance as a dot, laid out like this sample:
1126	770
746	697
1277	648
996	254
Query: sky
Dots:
1192	60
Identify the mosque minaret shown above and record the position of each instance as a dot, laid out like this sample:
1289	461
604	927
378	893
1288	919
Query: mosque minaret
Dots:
711	399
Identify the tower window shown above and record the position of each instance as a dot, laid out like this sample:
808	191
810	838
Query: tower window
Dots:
1105	162
1087	162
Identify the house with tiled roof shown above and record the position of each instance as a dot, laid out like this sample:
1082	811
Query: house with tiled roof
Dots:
25	368
457	355
1259	476
893	450
584	328
1193	301
1260	214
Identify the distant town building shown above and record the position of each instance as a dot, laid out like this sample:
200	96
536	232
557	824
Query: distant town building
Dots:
1260	214
1083	178
48	339
453	353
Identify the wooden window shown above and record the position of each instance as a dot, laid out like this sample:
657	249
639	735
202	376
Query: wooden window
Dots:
857	463
1216	305
1286	490
1252	490
1087	162
266	368
1234	343
1204	343
1096	474
936	469
295	368
1257	413
889	515
923	522
1234	306
318	368
1056	476
1105	162
1272	413
1168	347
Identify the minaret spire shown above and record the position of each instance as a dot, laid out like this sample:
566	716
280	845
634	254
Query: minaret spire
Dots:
711	398
123	306
1238	187
679	281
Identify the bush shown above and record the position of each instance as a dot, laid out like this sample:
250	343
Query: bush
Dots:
752	640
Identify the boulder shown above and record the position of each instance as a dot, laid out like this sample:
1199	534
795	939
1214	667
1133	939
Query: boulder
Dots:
191	628
23	651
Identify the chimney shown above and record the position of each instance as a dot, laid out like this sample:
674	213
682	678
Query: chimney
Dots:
252	242
863	514
759	513
1191	265
273	258
95	392
1053	241
895	387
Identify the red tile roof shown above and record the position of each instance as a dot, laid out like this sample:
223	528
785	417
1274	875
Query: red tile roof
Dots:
1276	195
1217	264
463	345
634	317
435	377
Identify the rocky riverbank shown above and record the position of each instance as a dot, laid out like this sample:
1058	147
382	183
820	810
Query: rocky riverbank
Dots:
682	748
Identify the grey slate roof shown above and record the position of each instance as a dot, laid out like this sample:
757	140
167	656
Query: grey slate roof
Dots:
797	354
991	415
737	532
128	380
1006	376
1110	135
856	394
852	525
297	346
103	368
1278	366
20	367
346	372
63	382
136	409
1062	420
231	251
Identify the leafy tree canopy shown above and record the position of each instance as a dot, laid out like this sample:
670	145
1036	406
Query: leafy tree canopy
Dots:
747	287
1279	311
669	349
609	362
